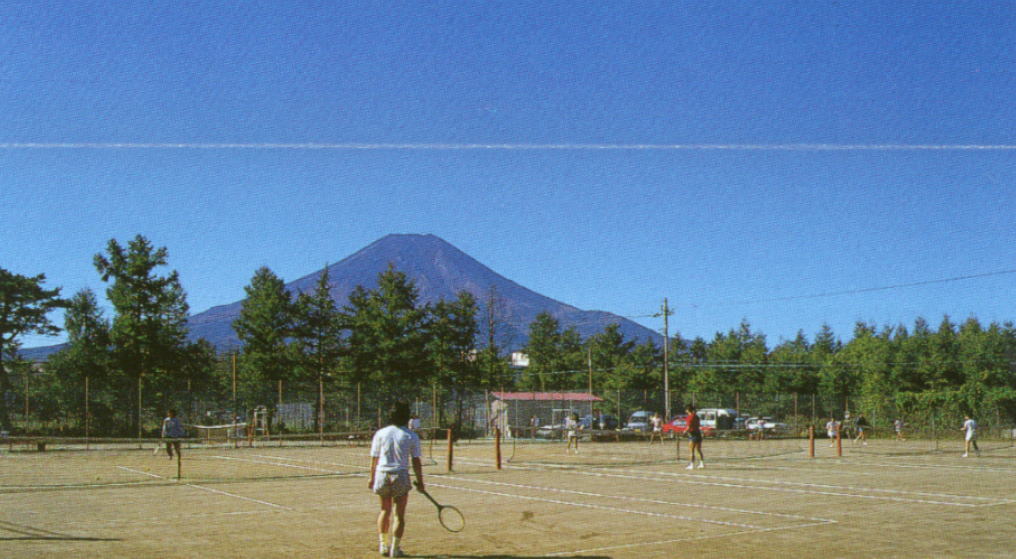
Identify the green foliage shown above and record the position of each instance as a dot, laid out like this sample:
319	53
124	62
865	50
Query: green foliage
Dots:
389	338
265	325
24	306
317	331
149	330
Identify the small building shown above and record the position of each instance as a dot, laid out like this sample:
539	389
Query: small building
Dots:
515	411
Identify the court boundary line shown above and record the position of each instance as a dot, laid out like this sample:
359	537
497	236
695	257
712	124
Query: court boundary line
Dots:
682	478
679	540
641	499
829	486
210	490
596	507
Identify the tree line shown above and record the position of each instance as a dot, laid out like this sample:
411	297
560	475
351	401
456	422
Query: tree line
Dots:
387	342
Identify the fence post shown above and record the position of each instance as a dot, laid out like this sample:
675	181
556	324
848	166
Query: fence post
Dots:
811	441
87	426
450	451
497	446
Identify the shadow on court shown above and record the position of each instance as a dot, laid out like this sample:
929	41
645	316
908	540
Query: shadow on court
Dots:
28	533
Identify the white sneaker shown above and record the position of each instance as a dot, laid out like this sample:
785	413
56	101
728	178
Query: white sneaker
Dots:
397	552
690	467
701	465
964	455
383	549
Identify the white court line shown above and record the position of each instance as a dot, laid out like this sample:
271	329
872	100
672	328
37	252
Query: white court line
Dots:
597	507
937	467
679	540
680	478
638	499
210	490
823	486
295	466
364	467
263	462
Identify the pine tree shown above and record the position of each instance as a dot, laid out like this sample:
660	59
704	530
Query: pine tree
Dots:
264	327
149	330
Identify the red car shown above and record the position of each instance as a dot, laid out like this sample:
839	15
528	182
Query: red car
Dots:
679	426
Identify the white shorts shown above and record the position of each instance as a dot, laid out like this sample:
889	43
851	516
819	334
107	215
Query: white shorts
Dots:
392	484
970	436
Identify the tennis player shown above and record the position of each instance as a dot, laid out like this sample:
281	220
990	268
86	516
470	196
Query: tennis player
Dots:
172	431
862	426
391	451
898	427
831	427
572	426
969	436
657	432
694	437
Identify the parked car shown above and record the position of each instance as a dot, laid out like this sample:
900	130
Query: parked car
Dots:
679	426
717	418
638	421
767	424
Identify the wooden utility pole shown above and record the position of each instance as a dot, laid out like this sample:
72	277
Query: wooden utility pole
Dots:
589	361
666	359
235	414
87	414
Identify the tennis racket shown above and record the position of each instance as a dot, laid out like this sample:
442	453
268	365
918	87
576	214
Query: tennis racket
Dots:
449	517
158	446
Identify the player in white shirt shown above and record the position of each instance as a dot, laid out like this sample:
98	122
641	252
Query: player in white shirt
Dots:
970	436
392	450
572	426
831	427
657	424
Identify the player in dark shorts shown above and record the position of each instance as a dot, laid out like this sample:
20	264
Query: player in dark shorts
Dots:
694	438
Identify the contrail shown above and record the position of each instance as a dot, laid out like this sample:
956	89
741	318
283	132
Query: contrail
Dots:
508	147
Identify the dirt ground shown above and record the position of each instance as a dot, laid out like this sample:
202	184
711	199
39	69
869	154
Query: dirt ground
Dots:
612	500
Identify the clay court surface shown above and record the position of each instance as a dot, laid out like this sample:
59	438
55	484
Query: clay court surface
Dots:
623	500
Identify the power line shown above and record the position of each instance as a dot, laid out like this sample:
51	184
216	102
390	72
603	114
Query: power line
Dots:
868	289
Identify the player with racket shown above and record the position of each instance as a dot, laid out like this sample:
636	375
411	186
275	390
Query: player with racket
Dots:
172	432
392	450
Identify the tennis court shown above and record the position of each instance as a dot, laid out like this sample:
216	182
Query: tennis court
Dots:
611	500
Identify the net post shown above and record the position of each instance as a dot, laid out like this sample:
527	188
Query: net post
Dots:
839	442
450	451
677	448
179	462
497	445
811	441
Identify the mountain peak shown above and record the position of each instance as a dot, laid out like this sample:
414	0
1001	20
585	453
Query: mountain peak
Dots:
440	271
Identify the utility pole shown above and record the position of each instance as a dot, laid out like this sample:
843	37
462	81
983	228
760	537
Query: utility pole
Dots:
589	361
666	312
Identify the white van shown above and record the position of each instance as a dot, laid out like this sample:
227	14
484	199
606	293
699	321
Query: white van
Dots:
717	418
639	421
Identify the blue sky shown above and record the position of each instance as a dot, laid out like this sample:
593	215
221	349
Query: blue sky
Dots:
635	150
